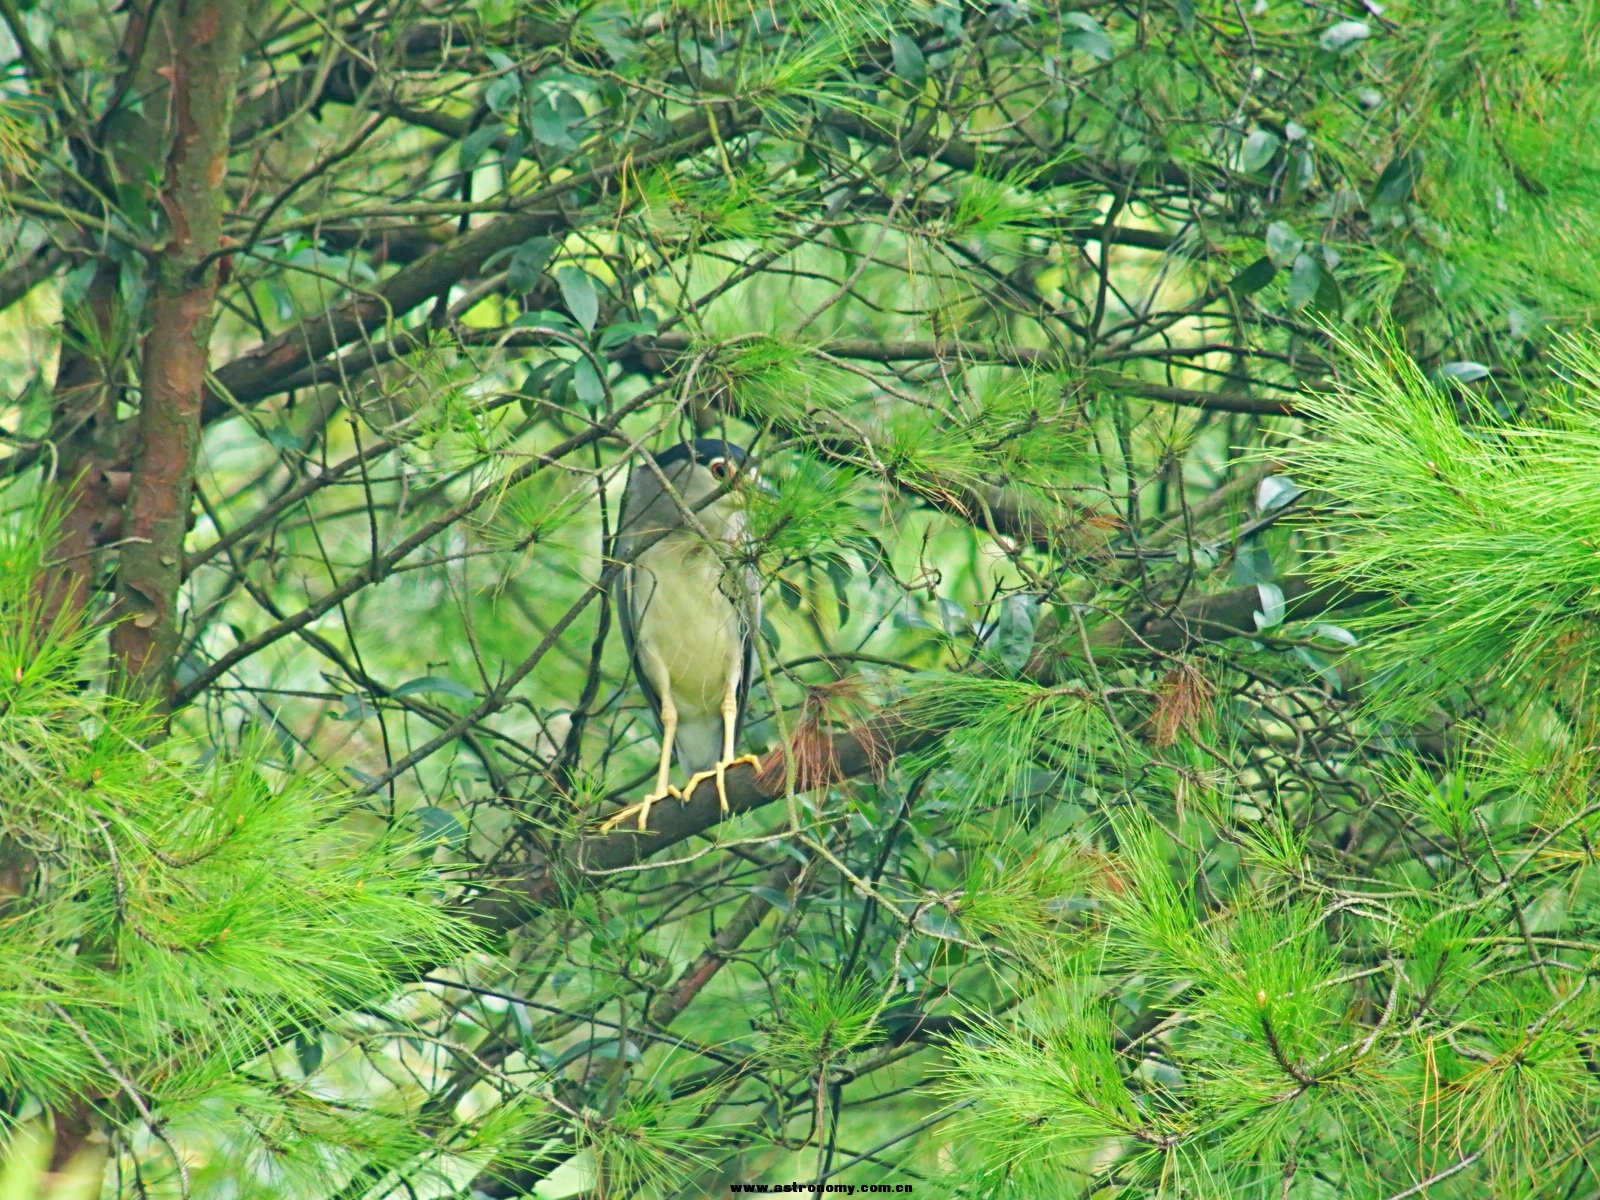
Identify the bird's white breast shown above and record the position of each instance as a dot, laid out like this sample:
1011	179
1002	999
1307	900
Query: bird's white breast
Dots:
680	611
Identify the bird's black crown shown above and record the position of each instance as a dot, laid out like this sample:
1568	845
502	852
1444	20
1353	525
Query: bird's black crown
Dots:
703	450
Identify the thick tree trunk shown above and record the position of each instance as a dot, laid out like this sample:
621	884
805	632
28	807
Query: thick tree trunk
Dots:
204	73
194	46
95	447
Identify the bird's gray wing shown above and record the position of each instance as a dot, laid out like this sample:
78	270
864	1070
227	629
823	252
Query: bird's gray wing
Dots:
742	587
625	593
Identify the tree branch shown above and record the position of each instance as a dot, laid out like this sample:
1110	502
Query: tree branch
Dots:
261	372
21	279
514	897
956	352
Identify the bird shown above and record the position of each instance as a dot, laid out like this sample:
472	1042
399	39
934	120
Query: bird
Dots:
689	609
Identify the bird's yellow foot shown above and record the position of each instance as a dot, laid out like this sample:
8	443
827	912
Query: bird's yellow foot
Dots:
718	773
642	808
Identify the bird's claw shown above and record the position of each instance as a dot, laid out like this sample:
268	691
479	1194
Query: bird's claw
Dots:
719	773
642	808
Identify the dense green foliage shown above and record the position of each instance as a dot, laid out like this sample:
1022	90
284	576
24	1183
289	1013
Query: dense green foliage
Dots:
1178	584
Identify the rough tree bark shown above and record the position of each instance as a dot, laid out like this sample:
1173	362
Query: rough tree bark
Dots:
92	446
181	63
203	72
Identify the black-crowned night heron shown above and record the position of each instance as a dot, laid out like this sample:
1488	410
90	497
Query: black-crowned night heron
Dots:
689	615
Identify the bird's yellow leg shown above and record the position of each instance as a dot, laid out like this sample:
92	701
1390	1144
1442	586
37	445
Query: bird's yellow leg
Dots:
669	730
730	714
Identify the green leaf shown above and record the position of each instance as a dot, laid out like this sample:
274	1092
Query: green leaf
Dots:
1304	280
503	94
788	592
1284	244
617	1048
1463	372
1202	556
1253	278
133	204
355	708
553	118
496	12
1397	180
1321	666
909	63
1272	605
772	896
308	1052
613	37
1328	299
435	683
1252	563
559	383
1013	631
476	142
909	616
1258	150
131	287
586	382
1275	491
953	616
75	284
528	262
516	146
578	294
544	318
615	335
836	138
1084	33
438	827
1334	633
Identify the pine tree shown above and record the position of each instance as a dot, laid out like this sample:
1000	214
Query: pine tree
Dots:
1173	692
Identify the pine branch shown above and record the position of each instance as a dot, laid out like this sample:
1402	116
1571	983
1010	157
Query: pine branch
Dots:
961	353
509	899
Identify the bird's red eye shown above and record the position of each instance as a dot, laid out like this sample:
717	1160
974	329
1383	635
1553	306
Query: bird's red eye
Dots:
718	468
